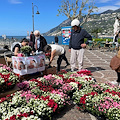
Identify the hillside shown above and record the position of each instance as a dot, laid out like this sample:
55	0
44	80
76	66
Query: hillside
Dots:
104	21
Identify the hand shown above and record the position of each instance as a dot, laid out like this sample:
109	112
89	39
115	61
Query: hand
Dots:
83	45
32	52
69	50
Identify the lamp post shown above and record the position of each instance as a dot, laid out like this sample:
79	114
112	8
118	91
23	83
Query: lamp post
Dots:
33	14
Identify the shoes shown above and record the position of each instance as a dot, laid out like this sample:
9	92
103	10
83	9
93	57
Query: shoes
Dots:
74	70
114	83
119	84
67	65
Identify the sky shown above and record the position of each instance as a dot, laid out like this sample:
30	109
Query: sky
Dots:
16	15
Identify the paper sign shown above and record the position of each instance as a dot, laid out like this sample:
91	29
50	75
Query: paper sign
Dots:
28	65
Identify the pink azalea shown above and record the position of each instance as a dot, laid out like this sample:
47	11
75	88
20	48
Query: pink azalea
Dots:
28	95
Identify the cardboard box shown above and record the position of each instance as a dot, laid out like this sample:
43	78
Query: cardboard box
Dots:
51	70
2	61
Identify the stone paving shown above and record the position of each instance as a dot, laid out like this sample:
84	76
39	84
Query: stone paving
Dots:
98	63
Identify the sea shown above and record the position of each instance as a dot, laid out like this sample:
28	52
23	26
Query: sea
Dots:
50	39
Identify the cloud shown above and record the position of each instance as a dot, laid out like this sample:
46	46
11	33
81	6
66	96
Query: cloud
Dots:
104	1
118	3
104	8
15	1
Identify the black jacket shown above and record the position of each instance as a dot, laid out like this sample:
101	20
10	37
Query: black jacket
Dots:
77	38
43	43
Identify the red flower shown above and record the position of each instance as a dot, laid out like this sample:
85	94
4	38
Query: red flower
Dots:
13	117
2	99
52	104
61	75
25	114
8	95
45	98
82	100
9	84
93	93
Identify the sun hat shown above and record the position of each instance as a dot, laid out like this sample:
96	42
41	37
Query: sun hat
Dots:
75	22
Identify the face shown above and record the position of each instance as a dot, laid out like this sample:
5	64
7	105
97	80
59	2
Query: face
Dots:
75	28
37	35
24	43
48	51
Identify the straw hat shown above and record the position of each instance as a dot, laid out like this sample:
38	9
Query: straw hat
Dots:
118	54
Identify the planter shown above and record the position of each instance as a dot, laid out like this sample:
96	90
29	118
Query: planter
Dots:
101	118
27	54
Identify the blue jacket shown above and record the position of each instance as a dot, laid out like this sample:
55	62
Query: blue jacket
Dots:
77	38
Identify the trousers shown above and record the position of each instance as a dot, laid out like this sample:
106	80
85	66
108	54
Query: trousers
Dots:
60	58
118	75
76	55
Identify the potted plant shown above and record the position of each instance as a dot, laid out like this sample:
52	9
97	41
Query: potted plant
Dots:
26	50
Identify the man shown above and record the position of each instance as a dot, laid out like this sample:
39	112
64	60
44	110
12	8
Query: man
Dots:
56	50
39	42
77	45
56	40
32	38
116	31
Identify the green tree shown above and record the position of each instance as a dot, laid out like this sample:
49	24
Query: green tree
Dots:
80	9
96	31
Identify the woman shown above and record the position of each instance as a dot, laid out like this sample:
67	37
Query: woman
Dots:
17	47
115	65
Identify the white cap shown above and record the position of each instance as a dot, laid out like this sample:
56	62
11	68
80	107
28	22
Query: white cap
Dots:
37	32
75	22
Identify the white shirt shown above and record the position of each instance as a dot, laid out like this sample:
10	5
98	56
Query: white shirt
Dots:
38	41
59	49
116	26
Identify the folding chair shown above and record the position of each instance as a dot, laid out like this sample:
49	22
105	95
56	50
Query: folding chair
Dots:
8	58
90	45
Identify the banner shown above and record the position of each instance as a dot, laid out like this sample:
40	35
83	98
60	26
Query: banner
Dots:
66	34
28	65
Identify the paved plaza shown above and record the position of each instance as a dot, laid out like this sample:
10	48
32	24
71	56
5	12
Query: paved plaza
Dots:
98	63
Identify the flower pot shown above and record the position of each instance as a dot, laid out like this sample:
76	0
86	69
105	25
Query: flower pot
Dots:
101	117
27	54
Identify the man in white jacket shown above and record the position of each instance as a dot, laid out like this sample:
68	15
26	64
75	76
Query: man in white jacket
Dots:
116	30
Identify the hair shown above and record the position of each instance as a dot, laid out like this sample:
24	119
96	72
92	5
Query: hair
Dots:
118	18
47	48
24	40
37	32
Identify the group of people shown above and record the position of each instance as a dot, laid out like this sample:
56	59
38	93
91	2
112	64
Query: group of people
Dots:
77	46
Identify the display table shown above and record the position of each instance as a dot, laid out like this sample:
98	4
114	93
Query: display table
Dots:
28	65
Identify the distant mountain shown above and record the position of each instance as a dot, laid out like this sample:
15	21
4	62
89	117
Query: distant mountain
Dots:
118	10
104	21
57	29
107	11
111	11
